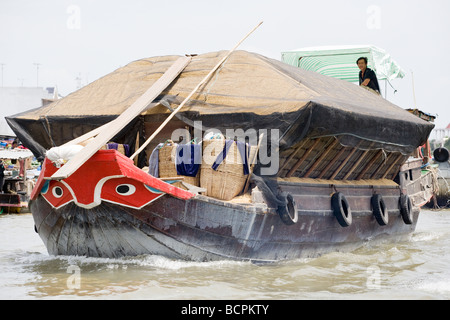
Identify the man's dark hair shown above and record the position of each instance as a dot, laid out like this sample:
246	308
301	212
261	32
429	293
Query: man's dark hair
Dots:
362	58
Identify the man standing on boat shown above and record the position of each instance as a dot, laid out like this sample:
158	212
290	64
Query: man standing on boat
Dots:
367	76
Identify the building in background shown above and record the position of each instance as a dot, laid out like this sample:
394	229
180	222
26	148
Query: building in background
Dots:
21	170
14	100
441	135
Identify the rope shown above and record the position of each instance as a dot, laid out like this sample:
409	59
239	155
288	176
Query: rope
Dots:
215	79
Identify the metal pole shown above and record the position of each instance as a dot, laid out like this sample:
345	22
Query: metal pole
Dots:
385	89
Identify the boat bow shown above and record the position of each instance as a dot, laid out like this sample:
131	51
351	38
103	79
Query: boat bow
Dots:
107	176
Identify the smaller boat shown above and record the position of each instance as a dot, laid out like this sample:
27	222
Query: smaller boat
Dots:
441	196
18	180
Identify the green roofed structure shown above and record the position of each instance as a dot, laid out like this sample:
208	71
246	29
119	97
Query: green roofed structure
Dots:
340	61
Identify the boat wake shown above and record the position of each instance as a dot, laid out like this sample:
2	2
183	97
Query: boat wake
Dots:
143	261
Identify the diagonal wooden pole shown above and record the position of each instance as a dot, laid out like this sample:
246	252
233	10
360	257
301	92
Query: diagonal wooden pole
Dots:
112	128
192	93
252	165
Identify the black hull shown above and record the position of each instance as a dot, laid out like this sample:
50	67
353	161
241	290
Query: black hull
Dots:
204	229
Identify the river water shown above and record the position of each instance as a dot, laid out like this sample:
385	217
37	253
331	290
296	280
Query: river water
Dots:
418	268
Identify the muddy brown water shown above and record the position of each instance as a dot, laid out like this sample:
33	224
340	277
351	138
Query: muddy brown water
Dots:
417	268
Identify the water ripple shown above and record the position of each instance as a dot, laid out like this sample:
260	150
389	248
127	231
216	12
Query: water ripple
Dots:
412	269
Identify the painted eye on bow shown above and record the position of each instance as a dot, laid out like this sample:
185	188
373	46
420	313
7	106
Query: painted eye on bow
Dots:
125	189
127	192
57	192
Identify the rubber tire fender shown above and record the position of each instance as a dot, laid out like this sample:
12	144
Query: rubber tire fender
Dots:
441	155
406	209
341	209
379	209
289	212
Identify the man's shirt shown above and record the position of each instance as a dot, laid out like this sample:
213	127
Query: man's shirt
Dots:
369	74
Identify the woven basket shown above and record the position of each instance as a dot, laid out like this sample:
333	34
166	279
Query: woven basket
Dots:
229	179
168	169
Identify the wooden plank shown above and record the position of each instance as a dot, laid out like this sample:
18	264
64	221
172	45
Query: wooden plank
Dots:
318	161
383	163
336	172
355	165
114	127
87	135
413	164
332	162
370	164
302	159
291	156
172	178
399	157
136	146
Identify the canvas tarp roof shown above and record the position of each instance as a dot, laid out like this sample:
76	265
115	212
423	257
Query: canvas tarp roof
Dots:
249	91
15	154
340	61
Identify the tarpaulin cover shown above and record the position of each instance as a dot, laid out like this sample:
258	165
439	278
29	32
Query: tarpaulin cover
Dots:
249	91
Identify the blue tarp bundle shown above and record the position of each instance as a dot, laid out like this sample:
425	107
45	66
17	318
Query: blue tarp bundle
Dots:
189	159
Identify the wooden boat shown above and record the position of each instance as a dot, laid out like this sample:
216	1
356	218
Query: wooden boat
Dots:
18	180
344	176
441	195
89	214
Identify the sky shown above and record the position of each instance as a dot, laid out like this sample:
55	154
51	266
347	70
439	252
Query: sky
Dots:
78	41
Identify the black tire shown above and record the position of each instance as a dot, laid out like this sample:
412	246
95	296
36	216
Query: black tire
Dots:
441	155
379	209
289	212
341	209
406	209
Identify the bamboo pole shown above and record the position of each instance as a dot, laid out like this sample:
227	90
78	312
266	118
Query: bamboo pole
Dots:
87	136
192	93
112	128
